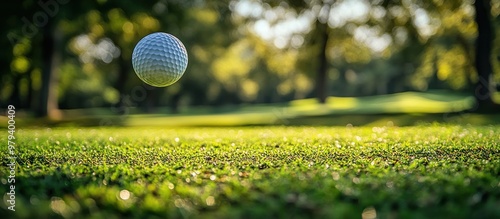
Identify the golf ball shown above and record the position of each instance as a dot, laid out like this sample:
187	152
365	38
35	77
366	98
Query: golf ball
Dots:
159	59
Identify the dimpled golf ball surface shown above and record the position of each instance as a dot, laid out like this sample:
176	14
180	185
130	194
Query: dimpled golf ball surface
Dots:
159	59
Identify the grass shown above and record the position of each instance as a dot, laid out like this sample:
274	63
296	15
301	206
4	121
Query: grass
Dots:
431	171
408	108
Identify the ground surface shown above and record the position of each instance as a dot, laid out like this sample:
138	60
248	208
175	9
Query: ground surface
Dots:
402	109
431	171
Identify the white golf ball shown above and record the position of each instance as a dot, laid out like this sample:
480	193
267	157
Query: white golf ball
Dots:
159	59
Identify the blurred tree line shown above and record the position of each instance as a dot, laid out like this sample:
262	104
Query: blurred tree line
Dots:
63	54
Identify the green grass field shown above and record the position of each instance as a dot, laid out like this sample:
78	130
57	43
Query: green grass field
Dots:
402	109
428	171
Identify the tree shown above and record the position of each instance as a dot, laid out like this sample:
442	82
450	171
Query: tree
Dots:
430	44
36	36
344	44
36	25
50	59
483	90
321	75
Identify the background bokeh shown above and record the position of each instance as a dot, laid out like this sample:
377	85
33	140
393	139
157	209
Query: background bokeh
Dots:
67	54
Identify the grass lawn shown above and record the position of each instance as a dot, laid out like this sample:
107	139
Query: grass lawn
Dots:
426	171
402	109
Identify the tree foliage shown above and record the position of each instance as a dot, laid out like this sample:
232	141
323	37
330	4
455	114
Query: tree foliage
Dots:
239	51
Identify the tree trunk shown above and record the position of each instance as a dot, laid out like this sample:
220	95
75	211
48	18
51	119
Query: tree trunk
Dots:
175	102
483	90
15	97
321	79
152	99
120	84
30	93
50	61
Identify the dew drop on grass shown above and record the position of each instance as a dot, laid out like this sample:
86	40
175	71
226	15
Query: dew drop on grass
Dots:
210	201
335	176
355	180
124	194
176	139
59	206
369	213
213	177
178	203
171	186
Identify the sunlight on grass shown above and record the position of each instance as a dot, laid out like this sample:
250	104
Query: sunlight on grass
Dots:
203	120
408	102
412	103
342	102
399	108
